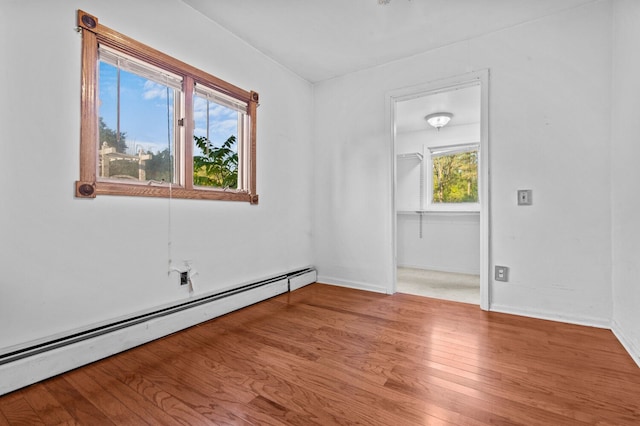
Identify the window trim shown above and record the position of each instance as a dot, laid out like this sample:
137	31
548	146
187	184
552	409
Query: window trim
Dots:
440	150
88	186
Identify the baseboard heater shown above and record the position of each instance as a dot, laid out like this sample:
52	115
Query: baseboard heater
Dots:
37	362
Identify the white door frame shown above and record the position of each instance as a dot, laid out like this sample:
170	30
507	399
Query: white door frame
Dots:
481	77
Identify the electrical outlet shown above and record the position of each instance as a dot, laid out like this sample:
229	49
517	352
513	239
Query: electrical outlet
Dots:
502	273
184	278
524	197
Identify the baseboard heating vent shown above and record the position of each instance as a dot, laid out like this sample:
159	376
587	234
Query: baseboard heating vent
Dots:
30	364
302	278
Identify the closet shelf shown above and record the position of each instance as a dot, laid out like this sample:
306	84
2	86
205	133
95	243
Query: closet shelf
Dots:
410	156
439	212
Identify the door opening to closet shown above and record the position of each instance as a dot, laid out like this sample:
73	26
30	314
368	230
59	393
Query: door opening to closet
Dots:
439	149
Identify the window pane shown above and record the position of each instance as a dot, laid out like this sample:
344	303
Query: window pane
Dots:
137	128
455	178
215	149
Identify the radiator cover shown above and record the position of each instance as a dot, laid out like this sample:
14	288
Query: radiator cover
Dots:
31	364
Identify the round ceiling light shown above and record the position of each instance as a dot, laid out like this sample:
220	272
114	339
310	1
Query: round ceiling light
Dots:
438	119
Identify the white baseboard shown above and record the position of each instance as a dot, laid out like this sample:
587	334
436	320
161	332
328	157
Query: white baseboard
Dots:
352	284
32	369
553	316
626	343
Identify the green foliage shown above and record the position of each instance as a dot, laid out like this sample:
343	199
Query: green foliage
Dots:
110	137
217	166
123	168
160	166
455	178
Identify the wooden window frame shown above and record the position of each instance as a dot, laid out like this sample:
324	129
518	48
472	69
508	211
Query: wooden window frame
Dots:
89	186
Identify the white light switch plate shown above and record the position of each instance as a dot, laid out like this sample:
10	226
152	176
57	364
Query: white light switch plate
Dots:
524	197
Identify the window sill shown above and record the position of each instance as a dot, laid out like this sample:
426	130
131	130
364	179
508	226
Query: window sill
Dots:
162	191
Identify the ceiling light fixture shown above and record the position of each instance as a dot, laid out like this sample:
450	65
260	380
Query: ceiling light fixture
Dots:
438	119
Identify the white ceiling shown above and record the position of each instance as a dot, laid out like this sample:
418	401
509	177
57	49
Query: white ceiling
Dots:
463	103
321	39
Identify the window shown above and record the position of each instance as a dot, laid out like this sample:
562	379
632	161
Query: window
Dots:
453	178
154	126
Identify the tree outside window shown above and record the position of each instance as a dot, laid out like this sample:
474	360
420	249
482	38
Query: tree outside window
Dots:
454	177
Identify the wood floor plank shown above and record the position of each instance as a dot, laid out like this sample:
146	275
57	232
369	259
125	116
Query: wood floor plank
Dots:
157	388
210	396
240	354
112	407
326	355
50	410
336	381
129	397
233	404
212	362
76	403
499	395
17	411
285	365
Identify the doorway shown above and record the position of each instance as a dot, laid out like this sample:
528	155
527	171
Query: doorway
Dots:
441	232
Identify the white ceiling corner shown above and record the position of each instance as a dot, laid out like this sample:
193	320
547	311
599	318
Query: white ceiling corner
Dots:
322	39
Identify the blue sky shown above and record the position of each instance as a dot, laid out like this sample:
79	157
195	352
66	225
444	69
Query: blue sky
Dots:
144	112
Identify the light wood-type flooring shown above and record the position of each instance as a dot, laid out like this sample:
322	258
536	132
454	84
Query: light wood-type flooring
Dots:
438	284
325	355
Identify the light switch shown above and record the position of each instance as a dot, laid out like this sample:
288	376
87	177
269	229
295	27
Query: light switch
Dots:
524	197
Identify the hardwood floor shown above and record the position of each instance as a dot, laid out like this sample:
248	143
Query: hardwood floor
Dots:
325	355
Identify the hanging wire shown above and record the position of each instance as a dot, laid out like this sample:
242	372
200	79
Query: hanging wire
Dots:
169	125
118	106
208	140
172	171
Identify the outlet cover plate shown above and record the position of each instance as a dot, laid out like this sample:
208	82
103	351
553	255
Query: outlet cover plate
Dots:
502	273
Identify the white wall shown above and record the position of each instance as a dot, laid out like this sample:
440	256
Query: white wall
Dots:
626	175
450	242
68	263
549	132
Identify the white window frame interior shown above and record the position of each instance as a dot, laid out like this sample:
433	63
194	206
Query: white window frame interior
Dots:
158	75
242	140
442	150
